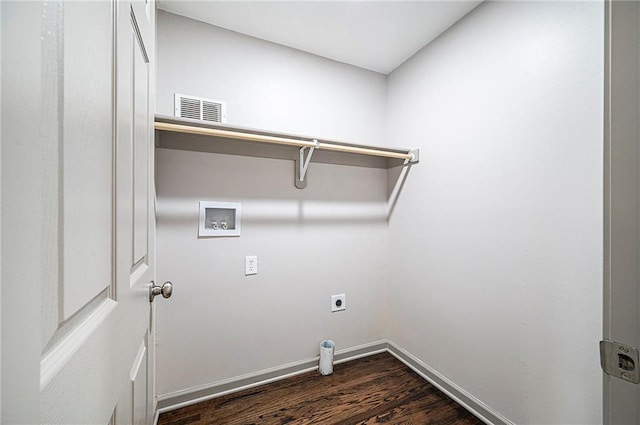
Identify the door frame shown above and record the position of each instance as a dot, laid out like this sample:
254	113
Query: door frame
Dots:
621	295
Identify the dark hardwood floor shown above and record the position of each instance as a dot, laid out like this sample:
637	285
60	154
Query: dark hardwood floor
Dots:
371	390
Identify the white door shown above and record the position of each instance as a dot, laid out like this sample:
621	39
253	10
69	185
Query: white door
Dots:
622	209
78	208
135	215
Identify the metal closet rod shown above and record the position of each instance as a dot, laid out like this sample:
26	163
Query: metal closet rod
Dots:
179	128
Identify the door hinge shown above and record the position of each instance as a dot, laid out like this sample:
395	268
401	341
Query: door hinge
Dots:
620	360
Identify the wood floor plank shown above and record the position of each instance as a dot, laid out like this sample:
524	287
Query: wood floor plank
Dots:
372	390
441	411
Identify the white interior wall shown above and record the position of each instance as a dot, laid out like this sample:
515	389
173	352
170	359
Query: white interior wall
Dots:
268	86
496	244
503	215
220	324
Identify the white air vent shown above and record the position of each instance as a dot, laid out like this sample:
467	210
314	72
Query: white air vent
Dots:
198	108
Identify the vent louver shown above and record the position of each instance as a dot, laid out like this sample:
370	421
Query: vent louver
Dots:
211	111
198	108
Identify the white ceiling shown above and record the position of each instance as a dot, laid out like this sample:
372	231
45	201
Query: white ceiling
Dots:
375	35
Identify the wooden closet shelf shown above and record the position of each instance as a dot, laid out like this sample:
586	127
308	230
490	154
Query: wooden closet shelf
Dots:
213	137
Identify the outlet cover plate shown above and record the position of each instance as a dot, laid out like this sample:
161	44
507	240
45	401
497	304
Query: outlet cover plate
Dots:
250	265
338	302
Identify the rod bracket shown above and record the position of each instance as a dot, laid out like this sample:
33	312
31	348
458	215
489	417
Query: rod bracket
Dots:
302	165
415	157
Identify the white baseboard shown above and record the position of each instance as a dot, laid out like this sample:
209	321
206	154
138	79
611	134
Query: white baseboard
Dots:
195	395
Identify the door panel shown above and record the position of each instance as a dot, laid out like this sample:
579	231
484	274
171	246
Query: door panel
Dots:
134	260
139	380
87	151
99	358
622	197
141	148
77	346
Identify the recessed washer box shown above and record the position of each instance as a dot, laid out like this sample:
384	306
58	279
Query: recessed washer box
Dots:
219	219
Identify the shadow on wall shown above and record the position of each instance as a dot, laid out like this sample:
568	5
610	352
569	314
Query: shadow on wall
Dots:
397	177
184	211
335	195
301	211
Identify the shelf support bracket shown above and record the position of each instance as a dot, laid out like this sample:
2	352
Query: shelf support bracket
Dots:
302	165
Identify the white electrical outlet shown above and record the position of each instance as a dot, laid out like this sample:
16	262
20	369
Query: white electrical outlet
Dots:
250	265
338	302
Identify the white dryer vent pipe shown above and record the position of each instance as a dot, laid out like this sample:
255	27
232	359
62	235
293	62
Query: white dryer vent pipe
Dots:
327	348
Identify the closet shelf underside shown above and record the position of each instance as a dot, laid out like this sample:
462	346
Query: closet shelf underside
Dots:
187	134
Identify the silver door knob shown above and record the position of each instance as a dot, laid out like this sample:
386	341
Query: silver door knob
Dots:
166	290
